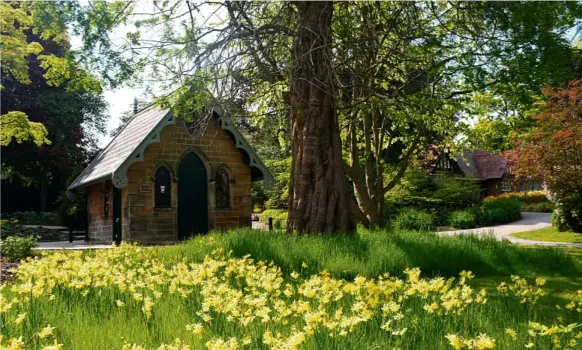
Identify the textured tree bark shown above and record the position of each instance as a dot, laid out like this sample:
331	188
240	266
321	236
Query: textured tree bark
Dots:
319	199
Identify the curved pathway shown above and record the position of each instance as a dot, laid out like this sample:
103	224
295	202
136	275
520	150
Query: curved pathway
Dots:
528	222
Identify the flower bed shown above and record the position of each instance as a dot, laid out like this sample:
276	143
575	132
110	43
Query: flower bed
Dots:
129	298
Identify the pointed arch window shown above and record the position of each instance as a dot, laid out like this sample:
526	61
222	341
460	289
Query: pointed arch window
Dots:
163	187
222	189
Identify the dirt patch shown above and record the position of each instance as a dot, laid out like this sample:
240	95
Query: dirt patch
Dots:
6	273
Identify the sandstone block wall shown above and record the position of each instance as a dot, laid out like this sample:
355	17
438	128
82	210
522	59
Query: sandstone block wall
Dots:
100	226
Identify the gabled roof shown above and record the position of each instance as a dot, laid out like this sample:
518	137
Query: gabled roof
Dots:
466	162
491	166
145	128
482	165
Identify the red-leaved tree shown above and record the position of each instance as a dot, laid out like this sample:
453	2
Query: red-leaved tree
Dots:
552	152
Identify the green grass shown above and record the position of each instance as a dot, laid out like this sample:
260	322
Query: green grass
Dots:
93	321
372	253
550	234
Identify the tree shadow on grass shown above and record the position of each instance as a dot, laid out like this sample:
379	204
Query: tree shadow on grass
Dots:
485	256
442	257
331	253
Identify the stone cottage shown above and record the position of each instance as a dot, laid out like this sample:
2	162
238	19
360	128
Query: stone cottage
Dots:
161	180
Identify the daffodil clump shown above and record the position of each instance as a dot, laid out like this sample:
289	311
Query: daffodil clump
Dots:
127	298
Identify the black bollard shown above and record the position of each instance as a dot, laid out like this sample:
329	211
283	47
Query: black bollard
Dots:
270	224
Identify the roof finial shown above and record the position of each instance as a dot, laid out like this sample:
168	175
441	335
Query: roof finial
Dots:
135	105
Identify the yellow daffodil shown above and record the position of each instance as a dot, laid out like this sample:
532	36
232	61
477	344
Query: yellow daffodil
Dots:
46	332
20	318
512	333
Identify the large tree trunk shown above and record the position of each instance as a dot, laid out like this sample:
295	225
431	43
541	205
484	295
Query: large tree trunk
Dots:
319	199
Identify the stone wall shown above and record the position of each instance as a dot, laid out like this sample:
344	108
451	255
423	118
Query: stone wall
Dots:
100	225
145	223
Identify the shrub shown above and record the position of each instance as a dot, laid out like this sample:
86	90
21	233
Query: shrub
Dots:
442	217
34	218
421	191
558	221
569	213
279	217
411	219
529	197
11	227
542	207
462	219
15	248
497	211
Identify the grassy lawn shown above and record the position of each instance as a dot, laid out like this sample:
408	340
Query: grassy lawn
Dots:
250	289
549	234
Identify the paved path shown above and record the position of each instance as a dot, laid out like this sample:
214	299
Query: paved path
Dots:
528	222
76	245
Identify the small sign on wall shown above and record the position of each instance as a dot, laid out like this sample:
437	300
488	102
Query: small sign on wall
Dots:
144	188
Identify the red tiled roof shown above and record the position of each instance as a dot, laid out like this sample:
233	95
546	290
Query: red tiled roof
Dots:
491	166
483	165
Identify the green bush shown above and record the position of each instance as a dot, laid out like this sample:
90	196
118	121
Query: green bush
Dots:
279	217
462	219
34	218
568	216
442	217
540	207
411	219
425	192
497	211
556	222
569	209
11	227
15	248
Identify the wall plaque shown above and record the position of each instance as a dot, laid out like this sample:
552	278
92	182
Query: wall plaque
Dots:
144	188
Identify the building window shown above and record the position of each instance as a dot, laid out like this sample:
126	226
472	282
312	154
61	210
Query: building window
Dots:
506	185
106	202
163	188
222	189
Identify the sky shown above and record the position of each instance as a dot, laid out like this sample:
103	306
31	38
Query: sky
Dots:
118	100
121	99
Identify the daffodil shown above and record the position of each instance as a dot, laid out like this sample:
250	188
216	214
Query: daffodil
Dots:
20	318
512	333
46	332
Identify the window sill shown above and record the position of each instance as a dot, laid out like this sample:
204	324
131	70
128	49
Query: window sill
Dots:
223	209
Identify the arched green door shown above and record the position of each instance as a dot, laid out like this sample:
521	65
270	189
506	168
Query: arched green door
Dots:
192	197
